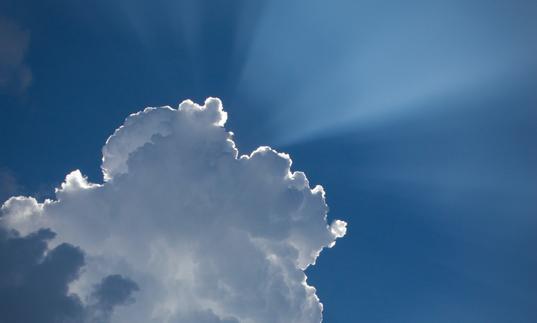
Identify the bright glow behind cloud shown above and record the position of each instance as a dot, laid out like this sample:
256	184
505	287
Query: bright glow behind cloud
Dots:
206	235
350	64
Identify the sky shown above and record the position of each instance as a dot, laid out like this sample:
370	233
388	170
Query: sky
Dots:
418	118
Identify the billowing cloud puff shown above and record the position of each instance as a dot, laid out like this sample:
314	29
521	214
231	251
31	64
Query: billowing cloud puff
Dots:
206	235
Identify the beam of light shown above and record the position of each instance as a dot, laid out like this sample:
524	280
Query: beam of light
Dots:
341	65
210	38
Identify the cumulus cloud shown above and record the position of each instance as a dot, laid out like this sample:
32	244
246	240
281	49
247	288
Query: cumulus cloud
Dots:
205	235
15	74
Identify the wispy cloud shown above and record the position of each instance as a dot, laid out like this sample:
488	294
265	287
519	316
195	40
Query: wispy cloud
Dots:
15	74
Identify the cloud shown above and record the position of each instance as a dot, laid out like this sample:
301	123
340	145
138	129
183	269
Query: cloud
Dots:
206	234
112	291
15	74
8	184
34	282
33	285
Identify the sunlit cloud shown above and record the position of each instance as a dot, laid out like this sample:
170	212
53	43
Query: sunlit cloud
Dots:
202	234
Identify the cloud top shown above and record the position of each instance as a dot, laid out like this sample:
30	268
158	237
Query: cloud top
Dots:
203	234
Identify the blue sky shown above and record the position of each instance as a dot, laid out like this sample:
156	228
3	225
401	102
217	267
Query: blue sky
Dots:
419	118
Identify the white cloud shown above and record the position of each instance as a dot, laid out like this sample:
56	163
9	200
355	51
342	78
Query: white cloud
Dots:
208	236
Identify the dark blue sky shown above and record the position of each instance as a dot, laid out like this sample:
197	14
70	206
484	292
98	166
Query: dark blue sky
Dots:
419	118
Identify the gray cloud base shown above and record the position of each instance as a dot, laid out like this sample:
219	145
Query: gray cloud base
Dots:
34	282
207	236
